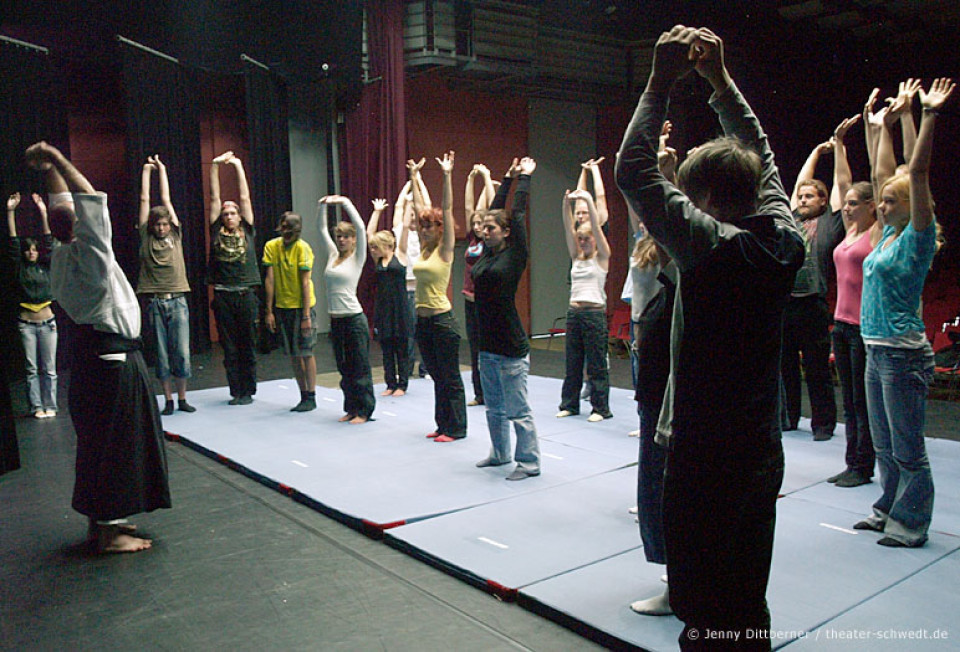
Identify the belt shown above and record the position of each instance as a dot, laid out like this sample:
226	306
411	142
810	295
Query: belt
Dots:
164	296
37	323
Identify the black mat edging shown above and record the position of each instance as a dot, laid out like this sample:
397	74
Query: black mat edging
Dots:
599	636
360	525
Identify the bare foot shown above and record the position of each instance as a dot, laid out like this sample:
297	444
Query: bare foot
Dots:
398	392
125	528
387	392
347	417
111	539
357	420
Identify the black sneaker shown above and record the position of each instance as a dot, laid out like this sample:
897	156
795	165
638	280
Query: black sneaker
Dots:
305	405
834	478
822	434
244	400
853	479
167	409
183	406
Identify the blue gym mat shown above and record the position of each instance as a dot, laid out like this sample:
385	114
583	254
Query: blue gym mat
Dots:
563	544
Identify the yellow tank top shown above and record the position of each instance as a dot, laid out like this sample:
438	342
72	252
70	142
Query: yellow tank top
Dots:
433	277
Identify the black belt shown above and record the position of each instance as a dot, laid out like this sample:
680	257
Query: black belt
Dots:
164	296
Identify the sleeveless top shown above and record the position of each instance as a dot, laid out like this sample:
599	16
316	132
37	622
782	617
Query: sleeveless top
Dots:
848	259
587	279
433	277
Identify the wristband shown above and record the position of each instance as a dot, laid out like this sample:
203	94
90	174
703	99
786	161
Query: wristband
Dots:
932	111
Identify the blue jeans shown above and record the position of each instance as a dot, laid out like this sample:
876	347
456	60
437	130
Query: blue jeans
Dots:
897	382
653	459
505	395
586	340
170	321
40	348
851	360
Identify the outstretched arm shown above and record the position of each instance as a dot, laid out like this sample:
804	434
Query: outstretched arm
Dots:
449	232
885	164
569	229
324	228
144	212
61	175
165	189
842	176
921	201
379	205
246	204
216	205
599	193
500	198
908	129
360	251
469	200
421	201
603	247
44	218
13	202
808	170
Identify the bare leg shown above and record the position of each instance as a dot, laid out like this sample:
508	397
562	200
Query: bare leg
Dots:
168	389
181	384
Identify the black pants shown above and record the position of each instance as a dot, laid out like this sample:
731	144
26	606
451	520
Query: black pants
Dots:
236	314
851	356
586	340
806	333
439	345
719	513
396	362
351	348
473	336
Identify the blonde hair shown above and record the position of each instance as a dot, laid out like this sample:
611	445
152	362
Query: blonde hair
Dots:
584	229
345	228
383	240
645	252
899	185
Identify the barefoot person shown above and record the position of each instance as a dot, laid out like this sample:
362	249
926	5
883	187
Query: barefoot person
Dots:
349	329
163	283
393	321
121	462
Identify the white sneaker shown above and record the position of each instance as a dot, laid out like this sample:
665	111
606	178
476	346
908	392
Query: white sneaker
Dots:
564	413
593	418
51	414
633	510
39	414
633	433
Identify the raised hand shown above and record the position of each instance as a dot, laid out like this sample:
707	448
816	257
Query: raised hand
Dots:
674	54
332	199
41	205
707	53
869	117
514	168
574	195
40	155
939	92
414	166
841	131
226	157
379	204
908	89
13	201
826	147
446	163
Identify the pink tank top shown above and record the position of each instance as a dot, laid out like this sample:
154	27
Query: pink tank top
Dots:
848	259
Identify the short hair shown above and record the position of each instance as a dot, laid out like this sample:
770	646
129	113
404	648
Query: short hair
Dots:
818	185
434	215
226	203
345	228
383	240
156	214
726	170
61	218
296	222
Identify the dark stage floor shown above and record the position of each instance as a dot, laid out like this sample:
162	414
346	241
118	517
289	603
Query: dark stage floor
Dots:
237	565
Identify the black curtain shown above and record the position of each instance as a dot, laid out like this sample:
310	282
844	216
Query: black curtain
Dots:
163	118
31	109
269	169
